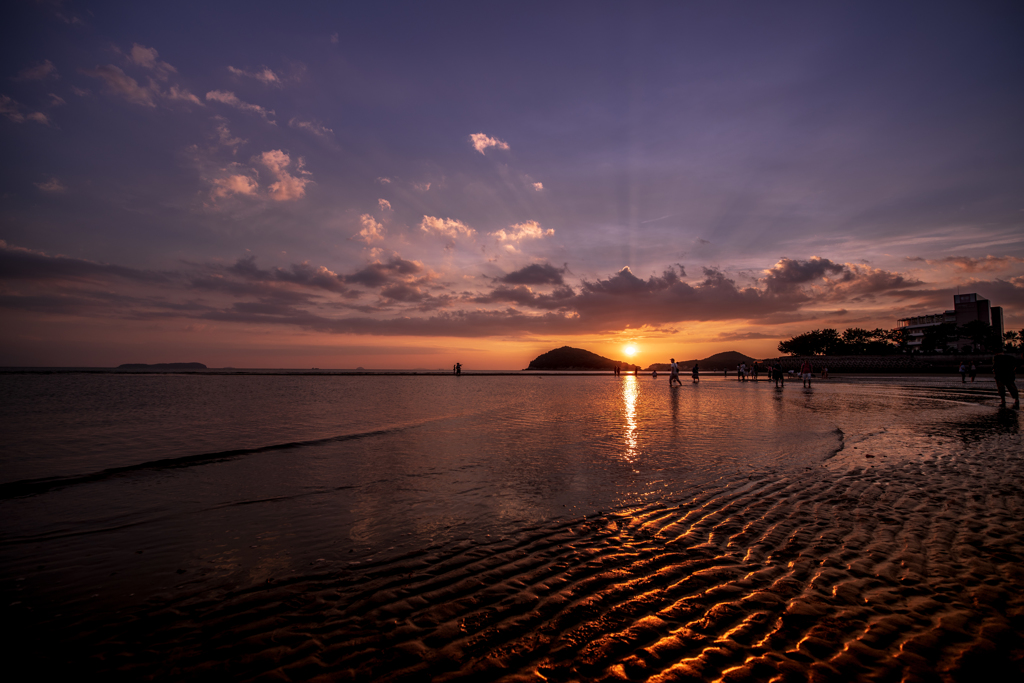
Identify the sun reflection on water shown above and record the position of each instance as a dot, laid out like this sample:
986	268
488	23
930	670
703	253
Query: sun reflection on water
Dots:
630	390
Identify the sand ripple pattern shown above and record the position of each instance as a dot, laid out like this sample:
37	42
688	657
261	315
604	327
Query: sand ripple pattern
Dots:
904	573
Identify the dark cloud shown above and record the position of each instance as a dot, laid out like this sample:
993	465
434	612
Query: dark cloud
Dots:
535	274
23	264
301	274
382	274
788	274
969	264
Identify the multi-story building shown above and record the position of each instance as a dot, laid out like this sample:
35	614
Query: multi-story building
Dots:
966	307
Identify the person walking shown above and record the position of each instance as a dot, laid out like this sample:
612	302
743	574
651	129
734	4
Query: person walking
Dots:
974	371
1004	367
779	376
963	372
805	373
674	373
696	373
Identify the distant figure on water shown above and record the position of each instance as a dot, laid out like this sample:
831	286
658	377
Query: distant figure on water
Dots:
974	371
458	369
636	371
695	373
805	373
963	372
1004	367
674	373
654	374
778	374
454	369
824	373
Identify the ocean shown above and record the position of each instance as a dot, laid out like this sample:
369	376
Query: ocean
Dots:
122	493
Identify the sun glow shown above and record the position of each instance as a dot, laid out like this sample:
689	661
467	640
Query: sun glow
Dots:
629	350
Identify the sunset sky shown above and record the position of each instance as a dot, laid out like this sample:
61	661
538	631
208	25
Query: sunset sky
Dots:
406	185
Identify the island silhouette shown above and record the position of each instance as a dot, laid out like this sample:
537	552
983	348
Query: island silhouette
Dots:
568	358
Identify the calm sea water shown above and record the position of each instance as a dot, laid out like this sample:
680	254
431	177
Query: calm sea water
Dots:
115	486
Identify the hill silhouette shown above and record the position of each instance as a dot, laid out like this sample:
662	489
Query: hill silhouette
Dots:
568	358
727	360
161	366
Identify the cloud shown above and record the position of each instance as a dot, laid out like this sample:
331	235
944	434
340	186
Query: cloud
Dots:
334	38
787	274
234	184
372	230
19	113
230	99
384	204
530	230
51	185
446	226
968	264
147	58
39	72
535	274
312	127
538	186
264	75
56	100
288	187
224	134
120	83
177	93
17	263
384	181
421	187
481	142
379	274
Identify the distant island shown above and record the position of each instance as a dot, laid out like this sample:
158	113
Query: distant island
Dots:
162	366
568	358
727	360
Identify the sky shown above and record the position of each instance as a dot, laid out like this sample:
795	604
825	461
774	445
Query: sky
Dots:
410	185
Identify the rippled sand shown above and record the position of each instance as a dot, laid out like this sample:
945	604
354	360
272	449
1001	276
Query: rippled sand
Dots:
910	571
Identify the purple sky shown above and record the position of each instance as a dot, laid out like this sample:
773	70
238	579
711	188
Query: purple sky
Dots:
410	184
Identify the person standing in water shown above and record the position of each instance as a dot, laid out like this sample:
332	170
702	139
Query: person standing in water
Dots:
1004	367
458	369
695	373
674	373
805	373
779	376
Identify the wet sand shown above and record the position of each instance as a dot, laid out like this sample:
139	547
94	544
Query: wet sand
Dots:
866	568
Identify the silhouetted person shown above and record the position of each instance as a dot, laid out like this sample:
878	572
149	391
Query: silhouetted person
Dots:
779	376
696	373
974	371
455	369
636	371
674	373
1004	368
963	373
805	373
458	369
654	374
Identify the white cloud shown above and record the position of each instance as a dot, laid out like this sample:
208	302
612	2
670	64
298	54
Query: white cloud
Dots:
51	185
288	187
422	187
264	75
231	100
234	184
39	72
224	134
18	113
384	181
176	93
384	204
314	128
120	83
372	230
538	186
481	142
529	230
147	58
446	226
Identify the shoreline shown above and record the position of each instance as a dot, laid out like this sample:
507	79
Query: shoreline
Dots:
859	568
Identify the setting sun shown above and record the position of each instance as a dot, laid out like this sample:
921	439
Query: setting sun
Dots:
630	350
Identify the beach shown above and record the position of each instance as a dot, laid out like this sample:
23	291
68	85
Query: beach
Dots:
623	542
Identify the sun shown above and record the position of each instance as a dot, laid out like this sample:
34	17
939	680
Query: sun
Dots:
629	350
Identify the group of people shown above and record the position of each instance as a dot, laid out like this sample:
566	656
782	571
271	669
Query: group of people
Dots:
618	371
964	370
673	377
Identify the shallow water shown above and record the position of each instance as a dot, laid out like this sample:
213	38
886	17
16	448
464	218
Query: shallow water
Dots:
117	488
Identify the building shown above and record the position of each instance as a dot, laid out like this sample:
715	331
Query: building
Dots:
966	308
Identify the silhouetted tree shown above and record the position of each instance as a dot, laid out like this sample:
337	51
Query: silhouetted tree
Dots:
937	336
980	333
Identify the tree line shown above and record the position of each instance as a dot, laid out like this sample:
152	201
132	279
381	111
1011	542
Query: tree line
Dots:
944	338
